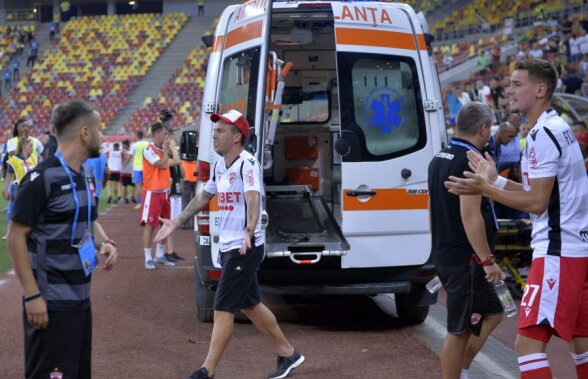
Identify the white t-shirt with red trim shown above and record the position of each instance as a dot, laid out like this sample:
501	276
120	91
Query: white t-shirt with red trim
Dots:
229	185
551	150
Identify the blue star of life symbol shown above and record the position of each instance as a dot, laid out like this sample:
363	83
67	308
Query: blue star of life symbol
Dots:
383	111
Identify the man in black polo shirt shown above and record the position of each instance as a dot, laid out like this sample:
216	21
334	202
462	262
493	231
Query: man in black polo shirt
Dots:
464	232
52	240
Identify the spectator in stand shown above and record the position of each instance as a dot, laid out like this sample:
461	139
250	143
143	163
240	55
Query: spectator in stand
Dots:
126	175
583	42
484	93
579	127
572	84
583	141
49	145
33	51
464	97
453	103
496	52
114	159
137	156
200	8
583	67
7	78
511	151
471	91
503	136
52	31
525	128
574	42
483	61
447	61
498	95
536	52
15	69
99	169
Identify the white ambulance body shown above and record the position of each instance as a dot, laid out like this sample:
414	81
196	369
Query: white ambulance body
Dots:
345	162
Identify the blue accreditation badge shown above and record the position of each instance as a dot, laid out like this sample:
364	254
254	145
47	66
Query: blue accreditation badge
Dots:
87	253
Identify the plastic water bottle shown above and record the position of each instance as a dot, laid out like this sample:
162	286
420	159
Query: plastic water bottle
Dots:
510	308
434	285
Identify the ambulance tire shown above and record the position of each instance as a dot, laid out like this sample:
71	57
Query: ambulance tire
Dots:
406	306
412	315
204	299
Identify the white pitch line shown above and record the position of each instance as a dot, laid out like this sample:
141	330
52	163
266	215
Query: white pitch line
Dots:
11	272
2	282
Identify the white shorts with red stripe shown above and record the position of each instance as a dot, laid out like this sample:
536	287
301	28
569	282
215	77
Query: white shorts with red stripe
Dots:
155	204
556	296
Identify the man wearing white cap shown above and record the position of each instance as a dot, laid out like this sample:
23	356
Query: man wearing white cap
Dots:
236	181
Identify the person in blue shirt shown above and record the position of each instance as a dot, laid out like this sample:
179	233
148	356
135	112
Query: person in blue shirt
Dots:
453	104
33	51
100	170
15	69
7	78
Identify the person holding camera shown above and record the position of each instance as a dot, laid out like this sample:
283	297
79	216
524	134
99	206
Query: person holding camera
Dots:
190	166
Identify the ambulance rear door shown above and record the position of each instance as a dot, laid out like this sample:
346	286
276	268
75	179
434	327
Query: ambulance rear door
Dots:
385	147
243	50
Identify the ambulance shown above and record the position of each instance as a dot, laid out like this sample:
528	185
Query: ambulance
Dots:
345	114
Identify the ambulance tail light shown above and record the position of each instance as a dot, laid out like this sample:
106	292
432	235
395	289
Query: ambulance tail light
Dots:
203	171
203	217
203	222
214	274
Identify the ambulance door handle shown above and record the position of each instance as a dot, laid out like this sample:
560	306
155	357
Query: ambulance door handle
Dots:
405	173
360	193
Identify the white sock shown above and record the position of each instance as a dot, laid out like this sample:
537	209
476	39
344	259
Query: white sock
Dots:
464	374
160	250
147	251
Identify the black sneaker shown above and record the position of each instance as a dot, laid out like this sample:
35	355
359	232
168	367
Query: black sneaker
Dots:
169	257
201	373
175	256
286	364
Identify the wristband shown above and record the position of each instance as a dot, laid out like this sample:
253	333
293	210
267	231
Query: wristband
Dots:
500	182
32	297
110	242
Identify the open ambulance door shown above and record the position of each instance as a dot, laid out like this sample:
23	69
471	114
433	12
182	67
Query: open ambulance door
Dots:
242	44
383	142
243	63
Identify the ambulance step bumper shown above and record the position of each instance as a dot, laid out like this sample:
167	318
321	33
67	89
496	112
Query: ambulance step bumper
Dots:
339	289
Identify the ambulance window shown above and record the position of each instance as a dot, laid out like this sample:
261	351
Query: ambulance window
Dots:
381	105
239	83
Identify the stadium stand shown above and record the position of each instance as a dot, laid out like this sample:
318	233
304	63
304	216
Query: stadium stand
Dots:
182	94
489	16
98	58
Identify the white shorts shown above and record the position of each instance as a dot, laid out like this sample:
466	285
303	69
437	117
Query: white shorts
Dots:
175	202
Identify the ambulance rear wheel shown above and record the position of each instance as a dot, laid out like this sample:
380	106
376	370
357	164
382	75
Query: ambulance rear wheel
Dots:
412	307
204	299
410	314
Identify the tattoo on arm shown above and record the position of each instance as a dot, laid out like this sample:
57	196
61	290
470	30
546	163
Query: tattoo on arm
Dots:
194	206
